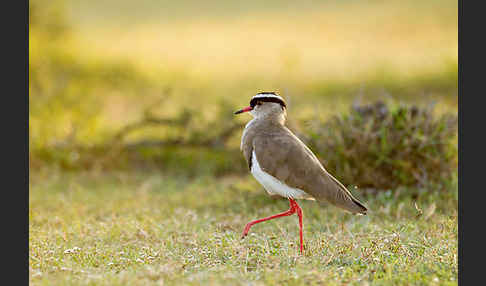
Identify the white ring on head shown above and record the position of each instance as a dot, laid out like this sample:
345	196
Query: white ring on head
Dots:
267	95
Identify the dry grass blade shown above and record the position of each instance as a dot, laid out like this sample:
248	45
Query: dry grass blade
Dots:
430	211
419	211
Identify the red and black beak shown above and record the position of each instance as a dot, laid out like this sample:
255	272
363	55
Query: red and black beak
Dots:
244	110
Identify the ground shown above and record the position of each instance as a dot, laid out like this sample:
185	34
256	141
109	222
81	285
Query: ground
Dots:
116	59
146	228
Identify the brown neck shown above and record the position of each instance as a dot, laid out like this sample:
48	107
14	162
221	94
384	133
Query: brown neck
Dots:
272	118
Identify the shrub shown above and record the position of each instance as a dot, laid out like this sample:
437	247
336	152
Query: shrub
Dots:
378	146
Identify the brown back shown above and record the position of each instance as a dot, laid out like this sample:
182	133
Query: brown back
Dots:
281	154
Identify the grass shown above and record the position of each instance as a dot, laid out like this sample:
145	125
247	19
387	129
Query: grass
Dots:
144	228
106	62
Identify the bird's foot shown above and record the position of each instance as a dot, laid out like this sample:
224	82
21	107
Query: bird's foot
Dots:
245	231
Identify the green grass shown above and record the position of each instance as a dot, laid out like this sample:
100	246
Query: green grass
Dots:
149	229
97	66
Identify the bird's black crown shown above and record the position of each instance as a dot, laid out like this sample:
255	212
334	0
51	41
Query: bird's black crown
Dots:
267	96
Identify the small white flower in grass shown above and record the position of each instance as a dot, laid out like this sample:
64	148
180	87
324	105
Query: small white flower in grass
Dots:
37	274
72	250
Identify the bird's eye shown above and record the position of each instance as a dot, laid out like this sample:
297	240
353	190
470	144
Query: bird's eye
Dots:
259	103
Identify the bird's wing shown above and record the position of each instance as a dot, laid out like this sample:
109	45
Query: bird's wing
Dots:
247	147
286	158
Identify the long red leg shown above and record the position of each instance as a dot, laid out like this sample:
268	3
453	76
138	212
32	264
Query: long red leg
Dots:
294	207
299	213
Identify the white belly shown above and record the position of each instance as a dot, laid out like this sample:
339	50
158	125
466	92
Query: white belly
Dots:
272	185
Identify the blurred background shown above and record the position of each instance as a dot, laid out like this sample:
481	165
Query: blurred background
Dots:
136	177
154	84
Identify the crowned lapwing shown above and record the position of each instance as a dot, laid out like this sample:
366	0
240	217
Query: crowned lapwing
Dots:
284	165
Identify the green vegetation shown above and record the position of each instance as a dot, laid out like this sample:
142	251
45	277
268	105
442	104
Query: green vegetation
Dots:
136	177
144	228
375	146
379	146
87	82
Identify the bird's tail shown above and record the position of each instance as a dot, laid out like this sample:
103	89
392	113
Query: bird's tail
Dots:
342	197
362	209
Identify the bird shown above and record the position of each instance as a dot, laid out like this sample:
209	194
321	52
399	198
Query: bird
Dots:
284	165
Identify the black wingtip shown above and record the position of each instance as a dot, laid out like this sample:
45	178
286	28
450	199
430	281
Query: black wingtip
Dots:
364	210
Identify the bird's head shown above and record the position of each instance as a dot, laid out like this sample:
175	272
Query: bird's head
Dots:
266	104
